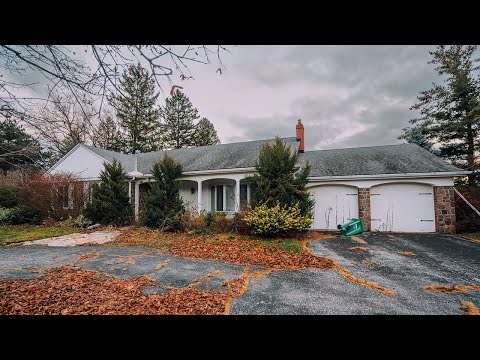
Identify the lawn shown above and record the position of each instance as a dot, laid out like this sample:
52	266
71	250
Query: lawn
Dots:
15	233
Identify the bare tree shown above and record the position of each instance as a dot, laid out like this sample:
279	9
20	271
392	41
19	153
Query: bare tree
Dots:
87	73
63	123
107	133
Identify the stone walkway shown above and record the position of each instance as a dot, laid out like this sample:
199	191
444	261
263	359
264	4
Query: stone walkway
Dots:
75	239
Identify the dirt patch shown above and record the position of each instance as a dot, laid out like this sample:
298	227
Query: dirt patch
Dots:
469	308
451	289
408	253
71	290
353	262
348	275
358	248
369	262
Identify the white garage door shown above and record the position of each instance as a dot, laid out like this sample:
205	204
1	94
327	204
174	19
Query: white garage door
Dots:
402	207
334	204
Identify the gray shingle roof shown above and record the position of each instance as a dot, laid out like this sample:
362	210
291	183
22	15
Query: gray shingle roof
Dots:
389	159
212	157
127	160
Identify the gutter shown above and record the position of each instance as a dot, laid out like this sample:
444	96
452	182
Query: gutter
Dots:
390	176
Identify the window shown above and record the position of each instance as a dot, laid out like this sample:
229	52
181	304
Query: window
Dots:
243	195
222	198
66	195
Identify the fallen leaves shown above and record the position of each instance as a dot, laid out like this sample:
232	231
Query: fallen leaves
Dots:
408	253
348	275
469	308
449	289
247	252
70	290
358	248
163	264
369	262
236	251
358	240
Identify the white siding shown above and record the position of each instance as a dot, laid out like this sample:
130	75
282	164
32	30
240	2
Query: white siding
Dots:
81	162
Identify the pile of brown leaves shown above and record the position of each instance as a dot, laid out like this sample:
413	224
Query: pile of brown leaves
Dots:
456	288
71	290
237	251
247	252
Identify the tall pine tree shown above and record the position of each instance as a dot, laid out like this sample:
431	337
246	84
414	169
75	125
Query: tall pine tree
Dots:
137	111
450	113
107	135
164	204
110	203
17	148
205	133
276	180
415	136
178	116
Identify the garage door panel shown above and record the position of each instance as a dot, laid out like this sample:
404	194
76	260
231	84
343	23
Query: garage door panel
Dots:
402	207
334	205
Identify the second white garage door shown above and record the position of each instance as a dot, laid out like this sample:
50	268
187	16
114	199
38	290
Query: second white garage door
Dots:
334	204
402	207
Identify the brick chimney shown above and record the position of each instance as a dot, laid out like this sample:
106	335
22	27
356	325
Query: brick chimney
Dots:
300	136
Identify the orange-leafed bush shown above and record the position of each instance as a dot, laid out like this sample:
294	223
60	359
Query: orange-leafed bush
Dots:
56	196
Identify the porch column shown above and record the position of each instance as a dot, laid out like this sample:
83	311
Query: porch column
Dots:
237	195
137	199
199	196
130	192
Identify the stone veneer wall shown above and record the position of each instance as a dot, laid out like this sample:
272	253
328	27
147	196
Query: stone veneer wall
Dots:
444	204
364	207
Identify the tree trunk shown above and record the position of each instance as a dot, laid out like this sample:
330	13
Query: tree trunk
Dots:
470	154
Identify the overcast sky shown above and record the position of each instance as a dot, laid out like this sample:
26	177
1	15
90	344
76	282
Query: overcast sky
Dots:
346	96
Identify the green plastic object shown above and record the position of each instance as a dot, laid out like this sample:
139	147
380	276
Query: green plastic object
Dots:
352	227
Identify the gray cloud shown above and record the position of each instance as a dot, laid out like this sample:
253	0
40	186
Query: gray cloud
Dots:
346	95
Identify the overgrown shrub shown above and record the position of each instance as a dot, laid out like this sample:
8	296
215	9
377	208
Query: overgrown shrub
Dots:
110	202
278	179
165	207
213	222
8	198
239	225
80	221
280	220
20	215
57	196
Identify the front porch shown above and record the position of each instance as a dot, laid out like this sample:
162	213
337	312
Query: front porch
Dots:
217	193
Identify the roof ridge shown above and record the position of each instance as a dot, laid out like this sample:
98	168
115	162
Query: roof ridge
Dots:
194	147
360	147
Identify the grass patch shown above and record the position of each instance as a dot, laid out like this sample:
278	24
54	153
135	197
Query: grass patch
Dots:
471	236
15	233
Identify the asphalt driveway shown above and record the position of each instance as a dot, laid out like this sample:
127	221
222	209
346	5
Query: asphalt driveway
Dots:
440	259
